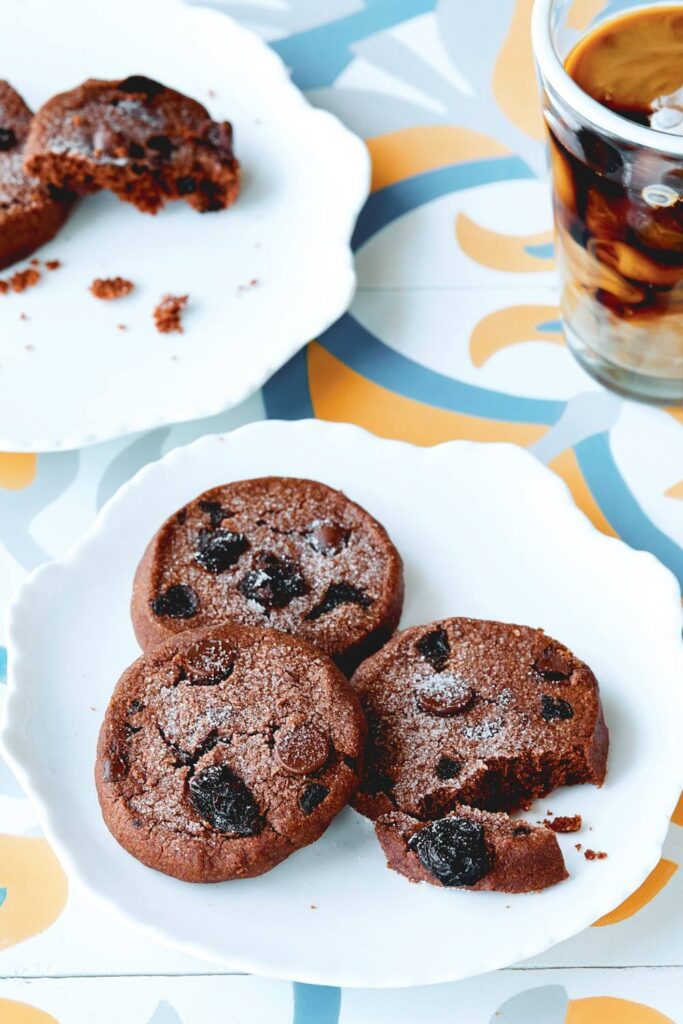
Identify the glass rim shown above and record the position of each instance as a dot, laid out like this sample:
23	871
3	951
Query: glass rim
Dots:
552	71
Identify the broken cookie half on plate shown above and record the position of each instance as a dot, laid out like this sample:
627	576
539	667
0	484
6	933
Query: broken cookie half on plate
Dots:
468	714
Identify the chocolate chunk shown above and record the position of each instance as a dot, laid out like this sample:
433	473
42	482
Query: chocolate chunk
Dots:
136	150
435	648
178	602
444	695
140	83
553	666
302	750
114	765
8	139
273	583
215	512
217	550
555	708
376	782
448	768
222	799
521	830
337	594
453	850
160	144
327	537
312	796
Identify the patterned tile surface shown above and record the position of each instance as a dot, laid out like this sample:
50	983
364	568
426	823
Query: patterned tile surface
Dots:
453	334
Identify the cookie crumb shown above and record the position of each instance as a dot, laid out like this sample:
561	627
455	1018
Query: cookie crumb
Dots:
22	316
24	279
313	906
35	262
122	327
254	283
29	348
4	287
53	264
111	287
569	823
168	313
595	855
577	846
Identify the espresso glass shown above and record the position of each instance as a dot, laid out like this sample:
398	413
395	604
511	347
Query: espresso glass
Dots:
618	203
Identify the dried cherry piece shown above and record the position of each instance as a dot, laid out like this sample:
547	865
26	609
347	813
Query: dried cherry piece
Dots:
555	708
186	185
218	550
326	537
553	665
222	799
376	782
273	583
312	796
447	767
453	850
435	648
178	602
8	139
336	594
140	83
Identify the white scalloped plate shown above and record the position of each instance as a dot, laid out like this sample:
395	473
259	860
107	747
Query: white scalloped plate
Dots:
68	376
485	531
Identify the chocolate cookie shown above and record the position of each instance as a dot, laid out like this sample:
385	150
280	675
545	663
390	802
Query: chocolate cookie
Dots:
30	213
292	554
472	849
143	141
226	749
480	713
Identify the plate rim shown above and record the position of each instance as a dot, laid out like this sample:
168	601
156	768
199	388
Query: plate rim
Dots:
17	702
358	162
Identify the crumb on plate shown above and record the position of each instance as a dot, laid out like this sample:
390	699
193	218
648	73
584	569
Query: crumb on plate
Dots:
167	315
111	287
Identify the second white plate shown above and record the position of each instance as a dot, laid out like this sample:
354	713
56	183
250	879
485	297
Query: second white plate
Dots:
484	531
263	277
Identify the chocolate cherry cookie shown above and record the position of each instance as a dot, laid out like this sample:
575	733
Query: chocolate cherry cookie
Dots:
486	714
275	551
30	213
472	849
143	141
226	749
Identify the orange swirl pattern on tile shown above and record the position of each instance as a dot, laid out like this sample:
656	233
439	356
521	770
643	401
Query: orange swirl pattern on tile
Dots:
514	82
677	816
339	393
610	1010
582	12
403	154
498	251
644	894
17	470
12	1012
511	326
35	888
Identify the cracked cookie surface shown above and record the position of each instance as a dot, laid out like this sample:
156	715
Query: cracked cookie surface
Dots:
224	750
479	713
292	554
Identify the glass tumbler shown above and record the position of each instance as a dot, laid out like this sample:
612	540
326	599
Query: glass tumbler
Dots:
618	204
